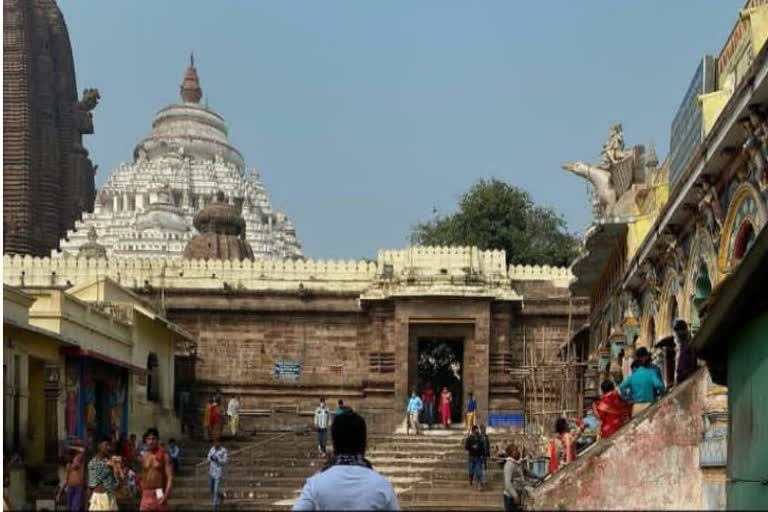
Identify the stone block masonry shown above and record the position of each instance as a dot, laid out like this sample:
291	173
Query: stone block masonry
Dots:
283	333
48	179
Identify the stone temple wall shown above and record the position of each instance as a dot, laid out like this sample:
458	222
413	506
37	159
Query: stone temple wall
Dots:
348	275
345	352
283	333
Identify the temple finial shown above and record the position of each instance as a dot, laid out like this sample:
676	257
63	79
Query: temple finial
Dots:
190	86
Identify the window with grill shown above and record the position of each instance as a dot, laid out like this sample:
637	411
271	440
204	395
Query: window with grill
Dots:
381	362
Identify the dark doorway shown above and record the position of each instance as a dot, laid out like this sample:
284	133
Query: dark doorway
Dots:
441	363
100	405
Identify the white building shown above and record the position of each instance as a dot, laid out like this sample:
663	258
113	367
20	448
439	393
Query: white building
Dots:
146	206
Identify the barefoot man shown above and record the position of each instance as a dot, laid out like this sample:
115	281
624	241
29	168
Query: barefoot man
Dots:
156	474
74	479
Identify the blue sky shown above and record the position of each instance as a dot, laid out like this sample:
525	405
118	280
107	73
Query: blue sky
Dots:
363	116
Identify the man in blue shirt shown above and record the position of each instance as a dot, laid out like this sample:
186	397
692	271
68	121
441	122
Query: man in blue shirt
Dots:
414	408
348	481
470	413
644	386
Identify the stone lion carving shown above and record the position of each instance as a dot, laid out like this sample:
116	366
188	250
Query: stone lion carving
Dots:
83	116
90	99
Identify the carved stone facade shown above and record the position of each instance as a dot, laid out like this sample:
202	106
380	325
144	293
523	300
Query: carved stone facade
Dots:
48	179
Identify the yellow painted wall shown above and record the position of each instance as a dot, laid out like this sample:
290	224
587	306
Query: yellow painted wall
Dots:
712	105
35	442
35	350
152	336
129	339
758	26
649	209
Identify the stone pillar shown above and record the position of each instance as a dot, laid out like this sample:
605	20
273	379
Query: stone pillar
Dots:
401	343
480	362
52	389
115	203
139	201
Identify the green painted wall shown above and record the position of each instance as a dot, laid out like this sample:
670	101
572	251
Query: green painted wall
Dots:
748	406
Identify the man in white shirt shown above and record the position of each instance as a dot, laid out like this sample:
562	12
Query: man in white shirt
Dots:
322	418
348	482
217	457
233	411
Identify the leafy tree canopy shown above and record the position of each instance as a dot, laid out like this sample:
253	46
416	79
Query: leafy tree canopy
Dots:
494	214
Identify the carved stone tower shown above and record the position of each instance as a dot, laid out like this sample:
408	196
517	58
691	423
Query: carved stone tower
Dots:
48	179
221	233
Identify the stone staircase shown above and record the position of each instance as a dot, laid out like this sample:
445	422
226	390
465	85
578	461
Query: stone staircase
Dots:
429	472
266	471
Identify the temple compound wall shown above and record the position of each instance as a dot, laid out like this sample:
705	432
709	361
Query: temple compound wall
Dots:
283	333
668	479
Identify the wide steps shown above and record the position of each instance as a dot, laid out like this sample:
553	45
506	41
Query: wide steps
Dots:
427	471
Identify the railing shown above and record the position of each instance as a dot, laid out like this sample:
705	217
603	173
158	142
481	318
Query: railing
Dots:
713	452
251	448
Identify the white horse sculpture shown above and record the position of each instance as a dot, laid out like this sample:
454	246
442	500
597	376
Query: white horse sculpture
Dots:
600	180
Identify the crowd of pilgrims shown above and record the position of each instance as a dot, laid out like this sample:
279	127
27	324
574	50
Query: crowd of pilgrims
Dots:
642	386
95	478
146	469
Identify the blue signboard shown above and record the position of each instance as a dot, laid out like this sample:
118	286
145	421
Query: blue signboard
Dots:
287	370
687	129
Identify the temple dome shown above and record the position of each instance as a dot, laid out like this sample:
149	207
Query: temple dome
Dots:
221	233
147	206
162	214
189	128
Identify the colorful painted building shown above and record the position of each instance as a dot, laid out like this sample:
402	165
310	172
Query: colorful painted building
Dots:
649	263
83	363
732	340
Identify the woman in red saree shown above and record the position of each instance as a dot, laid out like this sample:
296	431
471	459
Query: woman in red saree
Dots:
214	418
445	406
611	410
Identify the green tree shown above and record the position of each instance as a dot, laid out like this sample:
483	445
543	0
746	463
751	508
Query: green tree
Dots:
496	215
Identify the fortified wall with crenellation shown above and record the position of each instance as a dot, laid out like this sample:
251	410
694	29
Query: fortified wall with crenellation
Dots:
282	333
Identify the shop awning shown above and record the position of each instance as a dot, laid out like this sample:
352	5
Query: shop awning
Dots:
82	352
